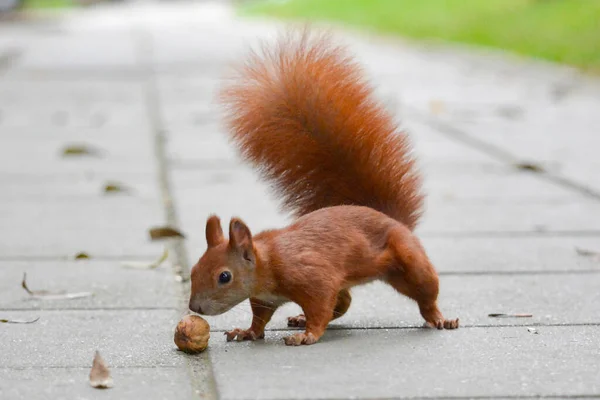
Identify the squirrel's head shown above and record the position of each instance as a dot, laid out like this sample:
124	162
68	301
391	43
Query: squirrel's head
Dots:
225	274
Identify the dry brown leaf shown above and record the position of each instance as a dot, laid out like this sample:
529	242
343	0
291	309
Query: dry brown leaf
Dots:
115	187
510	111
48	295
18	321
145	265
500	315
80	150
588	253
82	256
100	374
527	166
164	232
436	106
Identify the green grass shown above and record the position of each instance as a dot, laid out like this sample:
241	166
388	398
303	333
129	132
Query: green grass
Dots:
565	31
47	4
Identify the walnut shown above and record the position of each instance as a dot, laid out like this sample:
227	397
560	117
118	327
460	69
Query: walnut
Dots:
192	334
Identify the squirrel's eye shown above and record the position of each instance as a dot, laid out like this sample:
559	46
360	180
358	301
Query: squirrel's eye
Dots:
225	277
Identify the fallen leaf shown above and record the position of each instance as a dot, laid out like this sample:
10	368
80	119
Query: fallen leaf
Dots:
100	374
18	321
510	111
48	295
80	150
588	253
82	256
164	232
436	106
145	265
527	166
533	330
114	187
500	315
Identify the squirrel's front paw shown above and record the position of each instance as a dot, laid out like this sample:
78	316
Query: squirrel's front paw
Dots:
243	334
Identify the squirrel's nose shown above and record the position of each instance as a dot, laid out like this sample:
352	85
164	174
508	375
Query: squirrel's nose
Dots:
195	306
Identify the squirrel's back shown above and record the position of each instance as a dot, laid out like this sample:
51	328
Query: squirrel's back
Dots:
303	113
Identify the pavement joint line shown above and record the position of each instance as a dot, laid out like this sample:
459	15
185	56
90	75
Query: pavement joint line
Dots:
199	368
508	234
520	273
557	396
153	104
87	367
499	153
132	71
29	258
84	309
7	58
419	327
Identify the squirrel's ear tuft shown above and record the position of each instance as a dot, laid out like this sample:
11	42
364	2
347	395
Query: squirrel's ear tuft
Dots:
240	237
214	233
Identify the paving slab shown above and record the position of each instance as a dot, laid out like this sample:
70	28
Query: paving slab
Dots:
76	184
127	153
504	241
152	288
64	51
476	362
570	156
454	217
514	107
73	384
550	298
458	205
509	254
68	338
116	226
42	102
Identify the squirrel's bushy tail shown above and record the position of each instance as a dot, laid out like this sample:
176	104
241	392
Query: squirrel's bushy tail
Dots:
302	112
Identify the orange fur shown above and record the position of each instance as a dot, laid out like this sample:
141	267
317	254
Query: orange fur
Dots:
304	116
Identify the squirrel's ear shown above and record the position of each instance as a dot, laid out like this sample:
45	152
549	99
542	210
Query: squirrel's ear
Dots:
214	233
240	238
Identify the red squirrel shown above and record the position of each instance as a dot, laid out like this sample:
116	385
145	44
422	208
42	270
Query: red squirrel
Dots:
303	114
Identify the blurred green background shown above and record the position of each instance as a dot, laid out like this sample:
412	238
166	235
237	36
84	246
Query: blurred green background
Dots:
565	31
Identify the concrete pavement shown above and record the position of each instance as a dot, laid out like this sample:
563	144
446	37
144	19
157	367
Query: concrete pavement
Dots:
137	82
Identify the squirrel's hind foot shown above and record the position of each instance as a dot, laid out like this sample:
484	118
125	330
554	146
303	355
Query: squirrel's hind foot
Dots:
300	339
298	321
443	324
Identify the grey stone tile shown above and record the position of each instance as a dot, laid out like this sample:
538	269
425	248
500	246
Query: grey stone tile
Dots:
205	145
511	254
115	226
455	204
44	154
551	299
68	338
75	185
110	282
559	361
72	383
104	49
456	217
493	187
49	104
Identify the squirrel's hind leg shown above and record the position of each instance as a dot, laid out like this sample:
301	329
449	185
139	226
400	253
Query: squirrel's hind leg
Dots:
318	312
414	276
341	306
